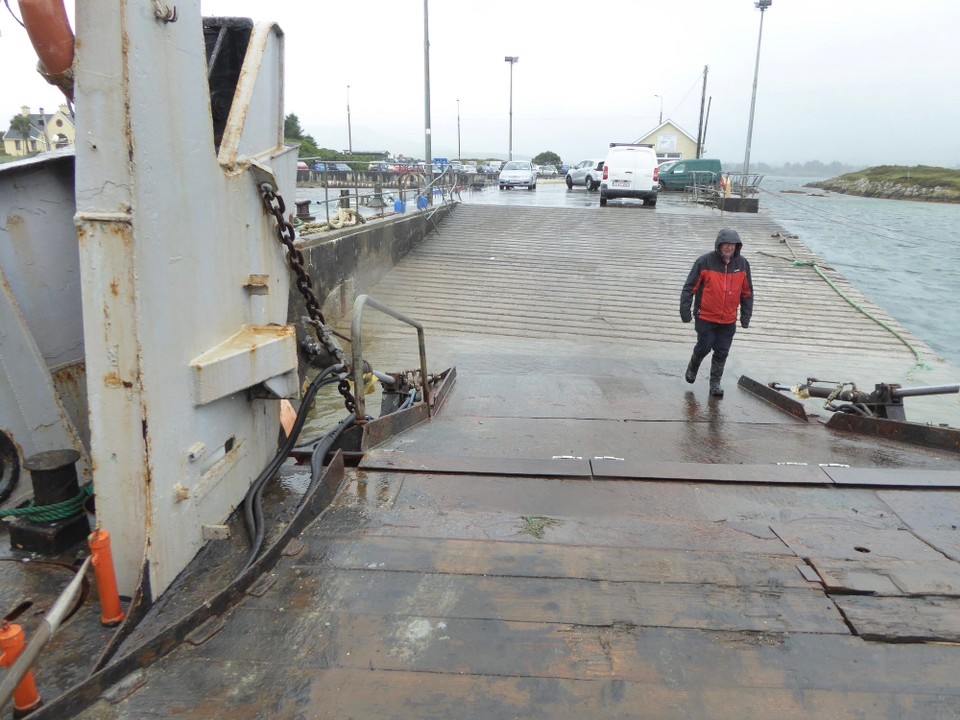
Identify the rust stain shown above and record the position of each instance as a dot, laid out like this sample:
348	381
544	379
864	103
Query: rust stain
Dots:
115	288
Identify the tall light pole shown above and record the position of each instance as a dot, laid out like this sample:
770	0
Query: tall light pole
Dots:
661	108
512	59
763	5
428	152
349	131
459	153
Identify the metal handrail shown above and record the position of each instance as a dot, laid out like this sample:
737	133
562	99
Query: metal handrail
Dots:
355	341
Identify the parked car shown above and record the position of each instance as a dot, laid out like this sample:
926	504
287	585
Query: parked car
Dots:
491	166
379	166
630	171
683	173
548	171
587	173
564	169
469	168
518	173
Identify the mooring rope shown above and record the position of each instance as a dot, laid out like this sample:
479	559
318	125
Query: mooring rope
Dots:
54	512
920	363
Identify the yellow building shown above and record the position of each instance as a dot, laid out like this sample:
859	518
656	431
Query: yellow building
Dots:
671	142
47	132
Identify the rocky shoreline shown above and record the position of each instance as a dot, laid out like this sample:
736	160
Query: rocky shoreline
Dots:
889	190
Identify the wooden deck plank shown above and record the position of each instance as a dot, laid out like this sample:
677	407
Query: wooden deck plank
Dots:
618	672
901	619
561	600
902	477
937	576
534	559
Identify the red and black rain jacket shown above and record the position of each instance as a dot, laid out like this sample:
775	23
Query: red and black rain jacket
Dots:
716	290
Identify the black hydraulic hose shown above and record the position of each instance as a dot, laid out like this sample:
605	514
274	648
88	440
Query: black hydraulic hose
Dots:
323	445
253	511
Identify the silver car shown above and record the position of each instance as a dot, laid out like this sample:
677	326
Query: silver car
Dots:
588	173
518	173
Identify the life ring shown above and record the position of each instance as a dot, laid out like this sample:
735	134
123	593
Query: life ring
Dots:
49	30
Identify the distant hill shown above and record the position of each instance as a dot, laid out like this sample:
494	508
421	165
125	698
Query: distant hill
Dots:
897	182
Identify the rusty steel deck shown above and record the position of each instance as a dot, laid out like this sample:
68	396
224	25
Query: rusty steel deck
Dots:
578	533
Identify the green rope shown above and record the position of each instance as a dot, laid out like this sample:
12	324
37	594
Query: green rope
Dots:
51	513
816	266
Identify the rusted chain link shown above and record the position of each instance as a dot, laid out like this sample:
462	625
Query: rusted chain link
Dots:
274	205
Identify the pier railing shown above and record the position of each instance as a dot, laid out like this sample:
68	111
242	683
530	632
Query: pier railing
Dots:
356	341
369	192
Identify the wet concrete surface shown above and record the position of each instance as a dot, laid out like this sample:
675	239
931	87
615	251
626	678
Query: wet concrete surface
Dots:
724	573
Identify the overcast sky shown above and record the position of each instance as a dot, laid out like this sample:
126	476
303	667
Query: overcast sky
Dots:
863	82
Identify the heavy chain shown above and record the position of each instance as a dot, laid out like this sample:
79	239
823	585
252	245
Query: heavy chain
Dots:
348	401
274	205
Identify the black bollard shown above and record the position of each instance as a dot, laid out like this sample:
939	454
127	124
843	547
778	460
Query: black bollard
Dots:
53	475
303	211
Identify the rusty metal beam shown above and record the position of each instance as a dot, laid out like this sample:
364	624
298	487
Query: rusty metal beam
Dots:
928	436
774	397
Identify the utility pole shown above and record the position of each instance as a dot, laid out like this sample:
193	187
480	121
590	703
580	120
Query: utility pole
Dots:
459	151
700	130
706	123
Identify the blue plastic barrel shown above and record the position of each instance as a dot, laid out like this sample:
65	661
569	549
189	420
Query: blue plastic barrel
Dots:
399	206
421	202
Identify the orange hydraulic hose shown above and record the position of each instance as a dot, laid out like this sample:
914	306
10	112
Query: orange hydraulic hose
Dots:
12	641
110	612
49	30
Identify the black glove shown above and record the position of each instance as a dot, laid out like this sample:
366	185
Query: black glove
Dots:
685	315
744	324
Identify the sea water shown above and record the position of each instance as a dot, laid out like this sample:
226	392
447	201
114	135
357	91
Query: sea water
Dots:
903	255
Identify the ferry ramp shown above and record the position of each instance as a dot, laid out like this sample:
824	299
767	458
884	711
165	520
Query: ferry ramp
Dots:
579	533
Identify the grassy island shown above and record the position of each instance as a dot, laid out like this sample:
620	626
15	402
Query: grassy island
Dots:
898	182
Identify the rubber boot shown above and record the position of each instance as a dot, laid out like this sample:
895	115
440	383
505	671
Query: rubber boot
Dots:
716	372
692	367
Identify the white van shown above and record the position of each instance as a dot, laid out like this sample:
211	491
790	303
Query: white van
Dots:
630	171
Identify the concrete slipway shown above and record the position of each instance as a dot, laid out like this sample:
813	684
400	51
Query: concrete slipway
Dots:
577	533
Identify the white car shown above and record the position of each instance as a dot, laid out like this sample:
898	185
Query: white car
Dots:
518	173
588	173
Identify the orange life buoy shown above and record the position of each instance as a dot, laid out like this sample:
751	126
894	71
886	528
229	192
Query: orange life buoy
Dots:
49	29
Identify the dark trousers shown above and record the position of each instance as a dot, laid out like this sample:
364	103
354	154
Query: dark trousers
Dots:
714	336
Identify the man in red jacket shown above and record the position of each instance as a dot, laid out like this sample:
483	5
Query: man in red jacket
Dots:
717	285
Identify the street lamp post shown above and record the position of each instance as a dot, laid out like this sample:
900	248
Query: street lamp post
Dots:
349	131
661	108
427	129
459	152
762	5
512	59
